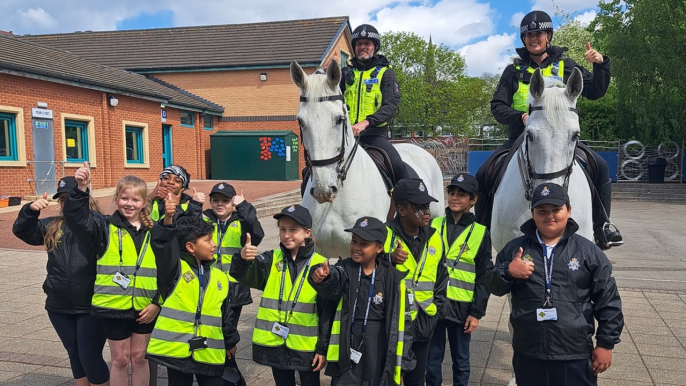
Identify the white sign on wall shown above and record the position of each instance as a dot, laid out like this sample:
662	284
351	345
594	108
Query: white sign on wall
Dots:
164	115
41	113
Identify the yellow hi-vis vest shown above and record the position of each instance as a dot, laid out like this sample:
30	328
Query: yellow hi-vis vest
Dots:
363	97
303	320
333	352
155	214
421	280
176	324
461	276
519	99
143	286
230	244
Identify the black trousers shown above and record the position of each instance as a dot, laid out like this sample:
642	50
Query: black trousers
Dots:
177	378
538	372
381	141
287	377
417	376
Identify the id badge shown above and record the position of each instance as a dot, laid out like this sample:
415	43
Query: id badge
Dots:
410	297
355	355
197	343
545	314
280	330
121	279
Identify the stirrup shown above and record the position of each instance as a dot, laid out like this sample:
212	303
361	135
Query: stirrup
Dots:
612	237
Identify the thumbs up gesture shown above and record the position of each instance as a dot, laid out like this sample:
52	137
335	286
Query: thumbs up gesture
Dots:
249	251
592	56
520	269
321	273
170	203
198	196
40	203
83	176
398	256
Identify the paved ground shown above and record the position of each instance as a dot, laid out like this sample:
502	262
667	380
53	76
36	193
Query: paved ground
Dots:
649	269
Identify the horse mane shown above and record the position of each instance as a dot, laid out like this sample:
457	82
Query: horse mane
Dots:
555	101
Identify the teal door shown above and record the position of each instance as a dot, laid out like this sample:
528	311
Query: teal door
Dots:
167	156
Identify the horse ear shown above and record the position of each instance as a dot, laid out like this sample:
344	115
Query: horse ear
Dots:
537	84
333	74
575	84
298	75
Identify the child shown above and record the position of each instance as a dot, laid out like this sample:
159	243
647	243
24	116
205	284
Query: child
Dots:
292	326
232	218
126	280
416	248
174	179
68	286
373	300
193	334
467	247
562	282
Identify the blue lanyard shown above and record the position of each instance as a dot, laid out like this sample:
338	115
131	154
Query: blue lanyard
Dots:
548	274
306	269
366	312
201	297
141	255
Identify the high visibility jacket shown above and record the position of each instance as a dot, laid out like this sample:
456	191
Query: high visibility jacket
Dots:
229	244
155	214
139	267
421	280
461	275
302	320
364	97
176	324
519	99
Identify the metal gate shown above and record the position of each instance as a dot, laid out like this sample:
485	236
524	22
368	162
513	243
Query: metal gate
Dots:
634	156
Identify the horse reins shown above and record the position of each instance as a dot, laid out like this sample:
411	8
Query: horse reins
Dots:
529	174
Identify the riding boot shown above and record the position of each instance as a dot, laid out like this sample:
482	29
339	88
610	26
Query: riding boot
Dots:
605	237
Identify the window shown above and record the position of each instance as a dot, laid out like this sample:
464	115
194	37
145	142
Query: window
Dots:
344	59
8	137
76	139
208	122
187	119
134	145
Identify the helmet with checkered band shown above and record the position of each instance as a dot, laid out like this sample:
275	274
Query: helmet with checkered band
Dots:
536	21
366	31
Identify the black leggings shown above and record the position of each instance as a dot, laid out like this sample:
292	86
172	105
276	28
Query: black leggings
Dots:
177	378
399	166
287	377
84	338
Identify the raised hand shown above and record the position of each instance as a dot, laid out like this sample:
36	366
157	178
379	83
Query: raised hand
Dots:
592	56
83	176
520	269
237	199
249	251
198	196
40	203
321	273
398	256
160	192
170	203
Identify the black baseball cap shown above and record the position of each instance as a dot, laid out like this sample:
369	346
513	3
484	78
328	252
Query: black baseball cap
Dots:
65	185
223	188
413	190
549	193
466	182
370	229
298	213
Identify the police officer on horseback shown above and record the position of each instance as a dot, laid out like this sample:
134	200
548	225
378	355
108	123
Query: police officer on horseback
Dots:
509	106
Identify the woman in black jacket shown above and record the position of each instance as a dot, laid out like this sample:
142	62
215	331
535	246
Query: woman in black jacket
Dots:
68	286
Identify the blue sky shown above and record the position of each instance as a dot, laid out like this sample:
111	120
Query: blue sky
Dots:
482	31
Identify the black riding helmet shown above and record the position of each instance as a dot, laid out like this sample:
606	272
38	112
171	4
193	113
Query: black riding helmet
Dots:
366	31
536	21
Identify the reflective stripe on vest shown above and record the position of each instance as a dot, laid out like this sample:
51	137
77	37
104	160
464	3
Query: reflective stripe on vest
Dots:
230	244
421	286
333	352
520	98
303	322
175	325
363	97
143	285
461	277
155	214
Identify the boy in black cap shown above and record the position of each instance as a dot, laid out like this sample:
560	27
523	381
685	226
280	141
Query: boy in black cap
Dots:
371	297
232	218
417	249
559	283
467	247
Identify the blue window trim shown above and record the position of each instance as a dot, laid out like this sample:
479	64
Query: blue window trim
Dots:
192	125
12	136
344	59
205	120
139	141
83	127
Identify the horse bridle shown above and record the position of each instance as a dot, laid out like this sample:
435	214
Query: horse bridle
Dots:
528	173
343	164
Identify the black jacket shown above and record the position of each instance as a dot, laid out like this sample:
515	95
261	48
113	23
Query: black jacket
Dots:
167	257
390	94
459	311
239	294
583	289
71	265
338	285
424	324
595	85
255	274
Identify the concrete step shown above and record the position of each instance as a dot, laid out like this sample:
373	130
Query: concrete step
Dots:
271	205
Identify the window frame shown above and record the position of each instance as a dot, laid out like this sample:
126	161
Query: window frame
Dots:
19	141
192	124
90	132
142	142
11	136
205	118
345	54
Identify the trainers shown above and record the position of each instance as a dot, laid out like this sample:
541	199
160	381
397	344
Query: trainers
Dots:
601	239
613	237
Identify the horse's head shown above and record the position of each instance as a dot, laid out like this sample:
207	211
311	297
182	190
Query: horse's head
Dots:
324	125
552	129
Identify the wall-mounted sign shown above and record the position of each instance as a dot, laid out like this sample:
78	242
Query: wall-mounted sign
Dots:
41	125
164	115
41	113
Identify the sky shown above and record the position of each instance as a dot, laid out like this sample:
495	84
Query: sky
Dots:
484	32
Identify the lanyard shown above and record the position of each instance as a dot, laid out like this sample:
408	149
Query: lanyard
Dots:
220	237
305	268
415	276
548	274
366	312
139	261
464	245
201	297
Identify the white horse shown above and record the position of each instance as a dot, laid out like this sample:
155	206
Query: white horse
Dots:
345	183
546	155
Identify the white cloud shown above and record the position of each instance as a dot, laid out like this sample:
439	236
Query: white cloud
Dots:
37	18
490	55
586	18
516	20
569	6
